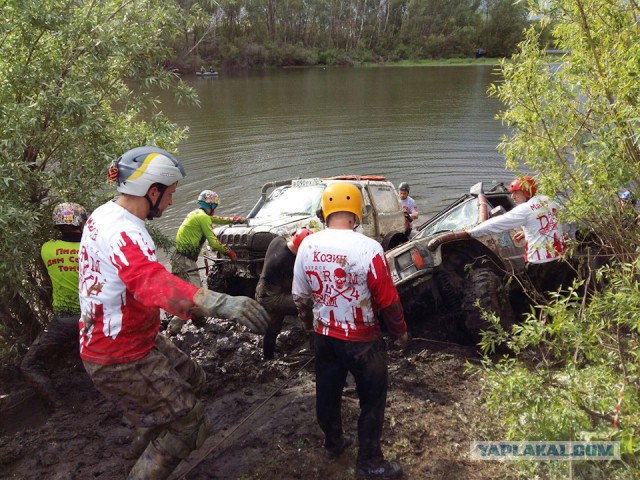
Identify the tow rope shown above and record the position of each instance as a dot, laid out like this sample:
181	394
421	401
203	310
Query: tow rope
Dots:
180	473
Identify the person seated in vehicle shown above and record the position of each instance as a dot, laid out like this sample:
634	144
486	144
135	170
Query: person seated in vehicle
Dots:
197	228
202	69
60	335
274	287
408	206
545	236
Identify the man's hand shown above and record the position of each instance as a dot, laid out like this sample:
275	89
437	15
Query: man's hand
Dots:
175	325
518	236
232	255
243	310
402	341
238	219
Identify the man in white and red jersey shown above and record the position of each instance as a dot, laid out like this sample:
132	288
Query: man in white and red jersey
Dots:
122	289
545	236
341	282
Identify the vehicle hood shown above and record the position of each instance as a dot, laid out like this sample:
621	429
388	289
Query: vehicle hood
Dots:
278	222
280	226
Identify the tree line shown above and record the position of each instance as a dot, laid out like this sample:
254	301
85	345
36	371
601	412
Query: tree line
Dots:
249	33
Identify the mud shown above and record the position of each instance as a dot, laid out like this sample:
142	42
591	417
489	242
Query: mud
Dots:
263	415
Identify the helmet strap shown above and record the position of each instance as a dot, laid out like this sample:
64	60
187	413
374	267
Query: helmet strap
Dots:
154	207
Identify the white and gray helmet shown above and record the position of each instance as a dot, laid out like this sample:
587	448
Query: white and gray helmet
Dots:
141	167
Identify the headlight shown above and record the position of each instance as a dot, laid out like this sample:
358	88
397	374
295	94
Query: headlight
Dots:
413	260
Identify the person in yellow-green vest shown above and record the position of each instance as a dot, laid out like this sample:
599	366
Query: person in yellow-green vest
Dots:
60	258
196	229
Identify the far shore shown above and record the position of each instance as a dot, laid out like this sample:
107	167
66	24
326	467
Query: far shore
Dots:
452	62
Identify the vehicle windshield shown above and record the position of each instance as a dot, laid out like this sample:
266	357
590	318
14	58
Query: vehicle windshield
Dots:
460	217
288	200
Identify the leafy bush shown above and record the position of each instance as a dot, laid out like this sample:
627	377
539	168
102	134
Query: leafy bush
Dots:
574	123
65	113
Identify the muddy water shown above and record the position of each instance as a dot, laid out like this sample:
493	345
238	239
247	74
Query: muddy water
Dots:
433	127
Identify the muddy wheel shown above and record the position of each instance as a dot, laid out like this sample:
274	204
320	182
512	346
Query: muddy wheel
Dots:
216	279
392	240
448	292
452	324
485	286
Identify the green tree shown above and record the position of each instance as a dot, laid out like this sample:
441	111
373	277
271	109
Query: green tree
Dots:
66	109
503	26
574	122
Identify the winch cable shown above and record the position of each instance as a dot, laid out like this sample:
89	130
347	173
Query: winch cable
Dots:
203	454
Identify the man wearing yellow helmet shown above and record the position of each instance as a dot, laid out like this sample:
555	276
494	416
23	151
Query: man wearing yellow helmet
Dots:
60	258
341	282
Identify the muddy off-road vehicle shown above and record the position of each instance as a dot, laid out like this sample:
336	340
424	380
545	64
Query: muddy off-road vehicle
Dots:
443	270
287	205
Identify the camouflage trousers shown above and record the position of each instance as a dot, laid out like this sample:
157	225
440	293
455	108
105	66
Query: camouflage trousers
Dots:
155	390
157	394
278	306
187	270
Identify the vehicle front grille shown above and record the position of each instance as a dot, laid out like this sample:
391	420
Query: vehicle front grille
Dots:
234	241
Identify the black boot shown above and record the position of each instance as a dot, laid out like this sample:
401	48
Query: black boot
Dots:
382	469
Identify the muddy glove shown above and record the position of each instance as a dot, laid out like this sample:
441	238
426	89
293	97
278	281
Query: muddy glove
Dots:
175	325
238	219
232	255
243	310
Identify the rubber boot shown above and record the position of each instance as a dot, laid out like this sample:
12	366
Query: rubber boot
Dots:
269	345
153	465
142	437
271	335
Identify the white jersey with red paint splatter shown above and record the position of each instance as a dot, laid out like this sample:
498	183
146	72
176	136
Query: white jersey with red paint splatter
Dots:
347	276
545	236
122	288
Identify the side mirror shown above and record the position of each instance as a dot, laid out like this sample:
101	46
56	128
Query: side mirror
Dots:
477	189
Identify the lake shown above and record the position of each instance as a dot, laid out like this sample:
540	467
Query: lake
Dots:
433	127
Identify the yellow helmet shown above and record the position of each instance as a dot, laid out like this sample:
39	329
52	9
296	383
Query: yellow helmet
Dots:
342	197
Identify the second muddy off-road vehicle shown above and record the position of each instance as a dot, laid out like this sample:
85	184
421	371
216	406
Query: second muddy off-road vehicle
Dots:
287	205
443	270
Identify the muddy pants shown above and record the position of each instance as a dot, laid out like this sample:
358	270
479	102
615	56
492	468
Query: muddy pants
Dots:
549	276
157	393
186	269
278	306
59	336
367	362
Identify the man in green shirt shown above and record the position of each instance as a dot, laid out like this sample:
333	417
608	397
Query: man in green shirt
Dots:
60	258
196	229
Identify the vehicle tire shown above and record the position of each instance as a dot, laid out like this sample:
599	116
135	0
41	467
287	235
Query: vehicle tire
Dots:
485	285
449	294
452	323
216	279
392	240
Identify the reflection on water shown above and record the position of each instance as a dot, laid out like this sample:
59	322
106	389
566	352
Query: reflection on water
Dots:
432	127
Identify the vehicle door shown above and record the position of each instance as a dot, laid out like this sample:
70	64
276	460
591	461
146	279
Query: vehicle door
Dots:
386	210
369	224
